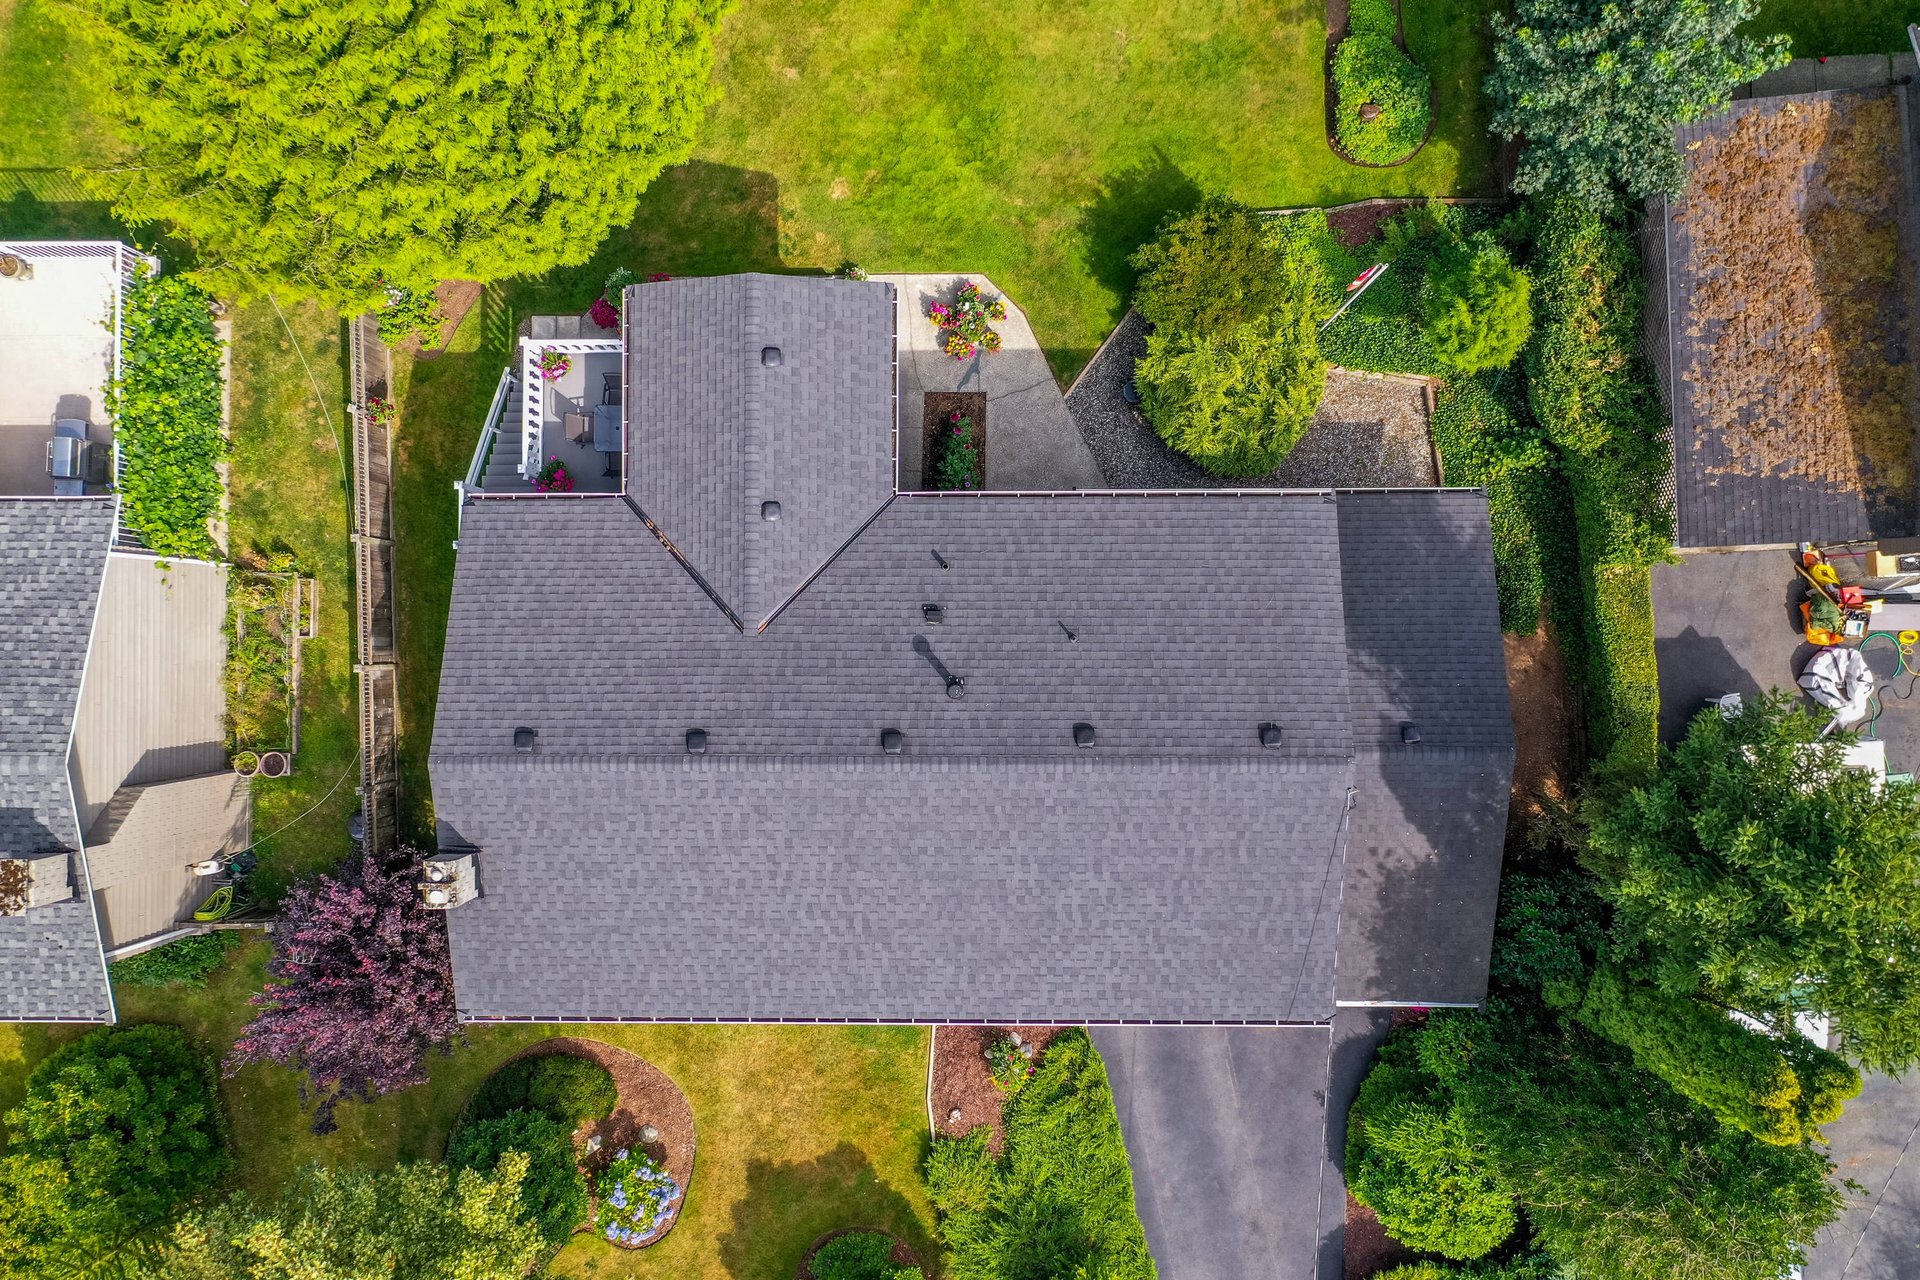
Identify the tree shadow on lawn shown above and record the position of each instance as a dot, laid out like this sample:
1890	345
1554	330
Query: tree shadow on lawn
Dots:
786	1207
1129	209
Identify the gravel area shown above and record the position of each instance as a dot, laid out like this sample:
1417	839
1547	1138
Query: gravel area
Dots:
1370	432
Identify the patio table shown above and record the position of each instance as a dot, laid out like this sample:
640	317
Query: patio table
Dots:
606	428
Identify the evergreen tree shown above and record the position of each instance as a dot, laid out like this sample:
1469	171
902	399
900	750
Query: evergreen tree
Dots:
336	148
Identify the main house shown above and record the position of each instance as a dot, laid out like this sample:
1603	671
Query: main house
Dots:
113	765
759	730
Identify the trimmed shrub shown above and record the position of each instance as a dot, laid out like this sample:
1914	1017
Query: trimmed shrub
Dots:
1477	309
565	1087
1412	1160
553	1193
186	963
860	1255
166	415
1744	1078
1383	100
116	1132
1059	1200
411	313
1238	403
1549	928
1212	270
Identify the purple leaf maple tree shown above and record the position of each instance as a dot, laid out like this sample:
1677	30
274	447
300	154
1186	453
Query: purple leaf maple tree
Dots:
361	985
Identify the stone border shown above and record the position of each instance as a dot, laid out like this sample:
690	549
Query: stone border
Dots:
1336	34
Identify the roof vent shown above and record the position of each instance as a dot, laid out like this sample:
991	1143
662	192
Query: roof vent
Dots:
523	740
770	357
1409	733
892	741
1269	734
696	742
1083	734
770	510
932	614
447	882
956	687
941	561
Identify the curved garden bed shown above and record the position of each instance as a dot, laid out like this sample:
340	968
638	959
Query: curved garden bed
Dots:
649	1115
963	1077
901	1257
1338	32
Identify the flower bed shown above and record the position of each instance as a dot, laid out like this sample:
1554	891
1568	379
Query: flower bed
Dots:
953	433
166	416
967	322
963	1076
262	620
636	1199
554	478
1381	100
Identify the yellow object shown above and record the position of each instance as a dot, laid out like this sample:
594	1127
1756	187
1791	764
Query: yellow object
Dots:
1825	575
1909	638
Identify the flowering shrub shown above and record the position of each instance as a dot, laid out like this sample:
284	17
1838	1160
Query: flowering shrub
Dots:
957	460
554	364
637	1199
850	270
554	478
410	313
617	284
605	314
1010	1067
657	277
968	322
380	409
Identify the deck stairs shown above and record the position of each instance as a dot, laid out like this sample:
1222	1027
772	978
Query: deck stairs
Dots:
503	464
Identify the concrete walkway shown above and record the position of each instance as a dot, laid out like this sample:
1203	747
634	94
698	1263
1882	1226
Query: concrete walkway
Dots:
1032	442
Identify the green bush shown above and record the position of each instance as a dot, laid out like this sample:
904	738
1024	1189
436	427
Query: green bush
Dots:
553	1194
1477	308
860	1255
1549	928
186	963
166	415
562	1086
1372	18
1237	403
1743	1077
116	1132
1370	71
1413	1161
1059	1200
1528	1266
1212	270
411	313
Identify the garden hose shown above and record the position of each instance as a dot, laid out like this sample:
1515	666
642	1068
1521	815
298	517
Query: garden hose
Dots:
1903	643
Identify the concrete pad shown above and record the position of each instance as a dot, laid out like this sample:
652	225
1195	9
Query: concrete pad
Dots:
1032	442
1226	1132
1855	71
1799	76
56	352
1877	1236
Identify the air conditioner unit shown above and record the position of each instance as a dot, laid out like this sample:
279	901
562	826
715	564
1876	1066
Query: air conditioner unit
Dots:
34	880
447	882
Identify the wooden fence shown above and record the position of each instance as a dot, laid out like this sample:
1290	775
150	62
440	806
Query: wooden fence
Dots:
372	377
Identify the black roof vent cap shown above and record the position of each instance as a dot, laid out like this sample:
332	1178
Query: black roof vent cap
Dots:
932	614
892	741
1269	734
523	740
770	357
770	510
696	742
956	687
1409	733
1083	734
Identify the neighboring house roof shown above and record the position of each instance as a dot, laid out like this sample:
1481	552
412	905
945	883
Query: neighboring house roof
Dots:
993	871
52	555
749	389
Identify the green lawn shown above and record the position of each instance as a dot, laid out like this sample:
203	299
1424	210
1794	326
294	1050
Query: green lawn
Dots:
1826	28
289	493
801	1129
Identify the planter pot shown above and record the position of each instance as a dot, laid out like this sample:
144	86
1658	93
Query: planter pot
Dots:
246	764
275	764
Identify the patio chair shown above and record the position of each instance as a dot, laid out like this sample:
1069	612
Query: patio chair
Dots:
579	427
610	388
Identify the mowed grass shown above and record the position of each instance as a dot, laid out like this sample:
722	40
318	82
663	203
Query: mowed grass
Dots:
801	1130
289	493
1830	28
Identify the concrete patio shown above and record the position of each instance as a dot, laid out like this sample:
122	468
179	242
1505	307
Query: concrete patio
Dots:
56	354
1032	442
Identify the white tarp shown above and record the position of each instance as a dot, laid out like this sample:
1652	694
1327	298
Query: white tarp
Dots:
1839	680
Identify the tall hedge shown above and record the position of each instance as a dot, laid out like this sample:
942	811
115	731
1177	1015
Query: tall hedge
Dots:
166	415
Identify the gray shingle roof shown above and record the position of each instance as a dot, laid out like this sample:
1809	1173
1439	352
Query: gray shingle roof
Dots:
994	871
52	556
713	432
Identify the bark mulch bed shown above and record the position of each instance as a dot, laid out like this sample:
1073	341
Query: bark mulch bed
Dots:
456	299
962	1082
1545	729
646	1095
933	416
901	1256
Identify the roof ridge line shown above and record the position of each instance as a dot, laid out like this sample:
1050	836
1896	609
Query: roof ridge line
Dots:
685	563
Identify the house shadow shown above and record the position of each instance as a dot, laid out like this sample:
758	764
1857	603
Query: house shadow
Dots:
1129	208
1697	668
787	1206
